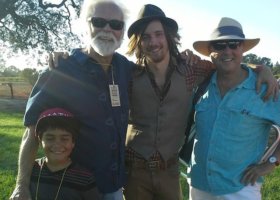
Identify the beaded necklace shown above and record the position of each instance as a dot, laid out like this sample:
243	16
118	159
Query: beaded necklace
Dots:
38	181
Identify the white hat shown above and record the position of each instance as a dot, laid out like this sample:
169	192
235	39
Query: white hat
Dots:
228	29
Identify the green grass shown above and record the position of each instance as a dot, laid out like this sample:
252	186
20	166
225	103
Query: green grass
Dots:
11	130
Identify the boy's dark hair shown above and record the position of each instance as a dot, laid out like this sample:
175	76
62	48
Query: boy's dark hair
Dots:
57	118
69	125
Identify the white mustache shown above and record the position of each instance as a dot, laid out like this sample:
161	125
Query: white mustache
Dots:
107	35
105	43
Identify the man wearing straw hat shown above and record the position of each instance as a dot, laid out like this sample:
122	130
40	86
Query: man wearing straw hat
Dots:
232	122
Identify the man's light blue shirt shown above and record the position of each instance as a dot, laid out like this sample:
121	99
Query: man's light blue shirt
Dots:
231	134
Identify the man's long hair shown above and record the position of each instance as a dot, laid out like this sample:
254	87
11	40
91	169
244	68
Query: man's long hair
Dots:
172	37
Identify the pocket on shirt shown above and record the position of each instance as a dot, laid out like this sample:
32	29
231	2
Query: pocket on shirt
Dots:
204	111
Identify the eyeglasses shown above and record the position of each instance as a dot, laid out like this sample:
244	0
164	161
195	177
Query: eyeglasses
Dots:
222	45
99	22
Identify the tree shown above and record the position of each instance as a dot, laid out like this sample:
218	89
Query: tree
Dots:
29	24
254	59
276	70
30	75
2	64
11	71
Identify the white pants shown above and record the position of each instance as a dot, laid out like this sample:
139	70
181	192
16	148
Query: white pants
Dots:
250	192
118	195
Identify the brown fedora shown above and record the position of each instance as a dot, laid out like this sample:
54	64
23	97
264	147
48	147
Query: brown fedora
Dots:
148	13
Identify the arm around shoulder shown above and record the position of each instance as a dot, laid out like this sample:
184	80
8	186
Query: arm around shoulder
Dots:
265	76
27	154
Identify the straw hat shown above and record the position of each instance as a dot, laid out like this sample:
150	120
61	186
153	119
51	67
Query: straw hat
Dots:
228	29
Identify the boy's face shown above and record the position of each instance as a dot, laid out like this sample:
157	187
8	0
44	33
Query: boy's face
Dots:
57	145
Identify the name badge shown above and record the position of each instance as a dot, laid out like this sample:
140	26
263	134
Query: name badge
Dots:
115	95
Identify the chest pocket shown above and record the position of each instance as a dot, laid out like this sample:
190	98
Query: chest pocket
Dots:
204	110
248	111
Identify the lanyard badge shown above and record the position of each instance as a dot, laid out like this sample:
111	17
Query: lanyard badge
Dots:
115	95
114	92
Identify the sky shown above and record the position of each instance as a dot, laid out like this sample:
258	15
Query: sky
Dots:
197	19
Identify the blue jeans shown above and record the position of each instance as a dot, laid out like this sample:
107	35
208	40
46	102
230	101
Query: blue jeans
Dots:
118	195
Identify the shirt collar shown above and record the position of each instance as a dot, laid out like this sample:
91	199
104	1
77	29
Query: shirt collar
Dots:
82	58
248	83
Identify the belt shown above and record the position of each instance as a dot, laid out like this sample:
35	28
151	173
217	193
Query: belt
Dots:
159	164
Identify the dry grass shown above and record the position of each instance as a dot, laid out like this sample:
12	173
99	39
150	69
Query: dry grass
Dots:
21	90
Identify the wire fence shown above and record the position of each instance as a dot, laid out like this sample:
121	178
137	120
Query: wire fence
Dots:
14	90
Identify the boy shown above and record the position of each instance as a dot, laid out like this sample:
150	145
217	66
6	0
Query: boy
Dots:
55	176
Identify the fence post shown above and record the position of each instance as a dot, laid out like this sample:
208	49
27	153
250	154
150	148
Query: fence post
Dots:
11	89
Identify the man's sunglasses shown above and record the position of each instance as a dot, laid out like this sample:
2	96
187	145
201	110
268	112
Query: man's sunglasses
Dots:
99	22
222	45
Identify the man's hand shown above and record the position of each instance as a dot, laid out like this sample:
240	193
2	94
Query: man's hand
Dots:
20	193
189	57
265	76
54	57
252	173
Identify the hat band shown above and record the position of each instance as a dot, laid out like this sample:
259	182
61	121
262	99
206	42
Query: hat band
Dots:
227	30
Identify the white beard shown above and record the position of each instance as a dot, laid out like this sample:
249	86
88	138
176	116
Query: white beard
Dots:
105	43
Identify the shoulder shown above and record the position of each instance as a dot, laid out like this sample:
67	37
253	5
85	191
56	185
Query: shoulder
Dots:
76	58
80	176
37	167
139	70
120	59
39	161
250	81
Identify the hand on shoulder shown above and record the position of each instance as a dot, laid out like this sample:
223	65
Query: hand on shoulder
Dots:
54	57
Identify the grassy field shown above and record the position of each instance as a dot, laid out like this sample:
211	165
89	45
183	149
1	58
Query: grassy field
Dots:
11	130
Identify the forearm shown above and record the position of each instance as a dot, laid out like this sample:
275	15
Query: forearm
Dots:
265	76
27	154
203	69
257	68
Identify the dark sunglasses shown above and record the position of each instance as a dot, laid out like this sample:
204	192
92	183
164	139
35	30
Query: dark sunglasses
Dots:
99	22
222	45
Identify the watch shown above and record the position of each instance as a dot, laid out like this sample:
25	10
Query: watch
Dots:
273	160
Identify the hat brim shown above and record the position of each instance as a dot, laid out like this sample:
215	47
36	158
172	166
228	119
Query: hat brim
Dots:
203	46
134	27
70	122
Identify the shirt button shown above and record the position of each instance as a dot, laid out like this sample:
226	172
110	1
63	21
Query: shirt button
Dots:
102	97
113	145
109	122
114	167
123	118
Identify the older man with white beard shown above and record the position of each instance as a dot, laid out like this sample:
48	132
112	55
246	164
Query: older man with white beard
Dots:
105	43
92	83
